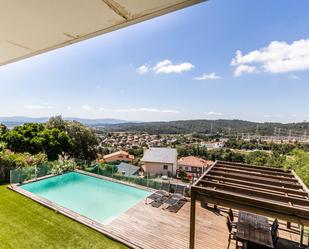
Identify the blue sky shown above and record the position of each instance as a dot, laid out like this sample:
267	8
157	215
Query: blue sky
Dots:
179	66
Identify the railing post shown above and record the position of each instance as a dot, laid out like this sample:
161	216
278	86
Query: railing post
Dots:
192	220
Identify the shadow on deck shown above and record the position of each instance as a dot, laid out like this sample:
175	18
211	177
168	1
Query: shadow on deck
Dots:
149	227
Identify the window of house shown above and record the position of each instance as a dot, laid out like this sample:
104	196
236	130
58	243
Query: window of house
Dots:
186	168
165	167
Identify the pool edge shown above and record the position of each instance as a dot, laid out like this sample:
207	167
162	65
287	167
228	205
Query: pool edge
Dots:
101	228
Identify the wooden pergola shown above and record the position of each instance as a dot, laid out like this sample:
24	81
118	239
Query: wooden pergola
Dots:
265	191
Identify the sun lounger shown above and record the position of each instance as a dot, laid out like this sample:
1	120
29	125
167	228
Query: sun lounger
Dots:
176	207
163	192
176	197
159	201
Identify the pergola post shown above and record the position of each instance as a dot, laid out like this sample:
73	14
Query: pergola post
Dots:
301	236
192	220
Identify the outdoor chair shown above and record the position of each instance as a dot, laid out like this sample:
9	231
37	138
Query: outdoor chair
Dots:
275	225
275	231
231	216
163	192
232	233
176	197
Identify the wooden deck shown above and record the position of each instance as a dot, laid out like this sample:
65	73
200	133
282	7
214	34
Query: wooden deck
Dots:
149	227
144	226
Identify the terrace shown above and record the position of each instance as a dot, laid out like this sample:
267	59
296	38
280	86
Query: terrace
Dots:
149	227
144	226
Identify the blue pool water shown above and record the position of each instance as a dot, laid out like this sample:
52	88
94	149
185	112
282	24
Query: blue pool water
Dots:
95	198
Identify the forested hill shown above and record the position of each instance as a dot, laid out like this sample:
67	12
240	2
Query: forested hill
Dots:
221	126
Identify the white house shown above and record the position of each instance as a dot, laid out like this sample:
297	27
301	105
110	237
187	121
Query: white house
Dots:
160	161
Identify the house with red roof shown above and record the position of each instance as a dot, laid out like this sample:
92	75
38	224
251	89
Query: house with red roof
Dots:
120	155
193	165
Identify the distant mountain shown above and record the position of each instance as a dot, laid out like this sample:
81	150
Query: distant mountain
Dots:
221	126
105	121
18	120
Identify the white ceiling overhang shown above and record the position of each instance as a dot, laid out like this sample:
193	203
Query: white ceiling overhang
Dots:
32	27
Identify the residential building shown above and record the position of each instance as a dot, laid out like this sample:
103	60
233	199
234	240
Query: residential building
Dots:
127	169
214	145
160	161
120	155
192	164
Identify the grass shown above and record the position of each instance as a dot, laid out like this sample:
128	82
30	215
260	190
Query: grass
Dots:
27	224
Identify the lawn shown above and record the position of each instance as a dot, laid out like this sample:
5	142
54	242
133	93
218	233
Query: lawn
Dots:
26	224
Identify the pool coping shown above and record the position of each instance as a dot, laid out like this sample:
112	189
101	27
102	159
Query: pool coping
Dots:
99	227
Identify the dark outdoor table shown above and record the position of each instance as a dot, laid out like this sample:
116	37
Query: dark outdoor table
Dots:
254	228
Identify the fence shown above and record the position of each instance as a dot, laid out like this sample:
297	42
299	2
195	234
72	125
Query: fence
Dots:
149	180
21	175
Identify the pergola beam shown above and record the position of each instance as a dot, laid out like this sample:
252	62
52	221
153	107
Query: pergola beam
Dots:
256	193
248	169
262	180
250	166
258	174
254	184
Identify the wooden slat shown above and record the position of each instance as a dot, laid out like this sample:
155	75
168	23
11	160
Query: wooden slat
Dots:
254	184
254	166
256	179
254	174
256	193
255	169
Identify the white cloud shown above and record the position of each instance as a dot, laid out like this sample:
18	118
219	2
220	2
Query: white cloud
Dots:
166	67
244	69
34	106
143	69
142	109
212	113
210	76
86	108
277	57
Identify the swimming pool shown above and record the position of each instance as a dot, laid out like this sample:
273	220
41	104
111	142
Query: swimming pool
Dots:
95	198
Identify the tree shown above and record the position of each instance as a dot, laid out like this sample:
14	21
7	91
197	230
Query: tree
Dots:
298	160
56	122
182	174
35	138
3	129
84	140
257	158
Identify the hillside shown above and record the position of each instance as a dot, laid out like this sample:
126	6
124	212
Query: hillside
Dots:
221	126
11	122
